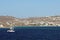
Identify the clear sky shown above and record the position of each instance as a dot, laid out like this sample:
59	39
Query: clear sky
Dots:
29	8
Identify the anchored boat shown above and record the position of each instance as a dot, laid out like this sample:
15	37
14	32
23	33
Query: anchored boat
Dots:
11	29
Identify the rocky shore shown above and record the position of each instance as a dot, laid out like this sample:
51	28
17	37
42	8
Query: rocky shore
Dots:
8	21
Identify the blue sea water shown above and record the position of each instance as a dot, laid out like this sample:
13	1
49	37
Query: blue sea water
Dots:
31	33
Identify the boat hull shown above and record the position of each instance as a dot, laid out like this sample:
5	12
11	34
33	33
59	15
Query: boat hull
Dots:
10	31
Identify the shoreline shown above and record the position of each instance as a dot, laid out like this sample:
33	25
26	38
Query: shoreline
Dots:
30	26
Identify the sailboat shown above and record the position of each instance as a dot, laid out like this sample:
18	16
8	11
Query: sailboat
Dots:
11	29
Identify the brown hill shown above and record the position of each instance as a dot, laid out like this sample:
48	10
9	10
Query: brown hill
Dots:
7	21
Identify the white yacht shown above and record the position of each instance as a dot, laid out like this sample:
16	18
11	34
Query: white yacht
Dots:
11	29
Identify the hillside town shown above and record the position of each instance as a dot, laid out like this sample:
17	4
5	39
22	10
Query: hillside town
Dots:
8	21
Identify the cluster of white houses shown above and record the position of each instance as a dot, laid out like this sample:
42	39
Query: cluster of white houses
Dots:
42	23
28	23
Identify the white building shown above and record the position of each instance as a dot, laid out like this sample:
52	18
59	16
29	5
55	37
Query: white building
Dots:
1	26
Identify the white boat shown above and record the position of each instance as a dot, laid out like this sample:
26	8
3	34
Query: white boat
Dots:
11	29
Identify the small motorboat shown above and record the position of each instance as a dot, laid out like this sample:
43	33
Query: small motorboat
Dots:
11	30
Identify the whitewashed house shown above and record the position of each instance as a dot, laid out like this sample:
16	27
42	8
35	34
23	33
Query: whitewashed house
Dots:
1	26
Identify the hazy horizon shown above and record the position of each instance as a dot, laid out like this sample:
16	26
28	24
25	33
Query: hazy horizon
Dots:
29	8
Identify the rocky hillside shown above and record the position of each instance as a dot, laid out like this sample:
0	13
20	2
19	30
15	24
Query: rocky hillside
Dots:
8	21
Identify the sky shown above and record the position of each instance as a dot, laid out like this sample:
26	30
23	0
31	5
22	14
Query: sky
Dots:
29	8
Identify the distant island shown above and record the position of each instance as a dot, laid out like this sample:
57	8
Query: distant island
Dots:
8	21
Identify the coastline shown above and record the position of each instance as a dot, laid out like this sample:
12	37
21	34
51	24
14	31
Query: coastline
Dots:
29	26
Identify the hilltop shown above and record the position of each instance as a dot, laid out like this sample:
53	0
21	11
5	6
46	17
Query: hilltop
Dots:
8	21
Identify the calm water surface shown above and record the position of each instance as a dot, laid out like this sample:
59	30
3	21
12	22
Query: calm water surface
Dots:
31	33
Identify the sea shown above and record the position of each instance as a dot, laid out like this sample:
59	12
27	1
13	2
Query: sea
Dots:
31	33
